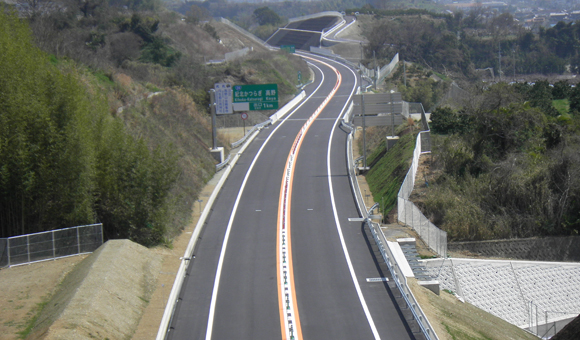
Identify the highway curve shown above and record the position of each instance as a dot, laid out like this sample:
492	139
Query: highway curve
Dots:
278	258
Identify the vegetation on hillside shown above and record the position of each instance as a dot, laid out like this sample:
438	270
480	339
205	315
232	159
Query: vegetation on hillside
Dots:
243	13
110	120
461	43
63	159
506	165
388	168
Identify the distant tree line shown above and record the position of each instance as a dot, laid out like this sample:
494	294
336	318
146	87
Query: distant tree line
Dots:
64	160
463	42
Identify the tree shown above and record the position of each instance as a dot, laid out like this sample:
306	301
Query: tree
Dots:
540	95
125	46
64	160
266	16
197	14
575	100
561	89
445	120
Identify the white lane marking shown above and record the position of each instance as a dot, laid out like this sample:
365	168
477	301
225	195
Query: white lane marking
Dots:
214	294
287	276
310	209
377	279
258	210
339	229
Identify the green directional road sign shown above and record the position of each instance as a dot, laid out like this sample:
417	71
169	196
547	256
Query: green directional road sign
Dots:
255	97
288	48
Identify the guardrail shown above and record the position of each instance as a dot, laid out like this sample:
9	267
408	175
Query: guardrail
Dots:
188	255
286	108
220	166
255	128
395	270
332	29
401	282
273	119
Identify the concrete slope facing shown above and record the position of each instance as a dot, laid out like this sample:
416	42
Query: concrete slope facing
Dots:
303	34
102	297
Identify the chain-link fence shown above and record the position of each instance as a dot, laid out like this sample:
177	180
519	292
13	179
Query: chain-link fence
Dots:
434	237
409	214
50	245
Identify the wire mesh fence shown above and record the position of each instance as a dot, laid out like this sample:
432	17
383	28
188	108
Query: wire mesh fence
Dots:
434	237
409	214
50	245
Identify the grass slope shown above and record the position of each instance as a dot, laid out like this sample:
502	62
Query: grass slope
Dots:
388	172
455	320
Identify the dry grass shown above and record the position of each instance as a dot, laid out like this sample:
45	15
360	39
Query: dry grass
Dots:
454	320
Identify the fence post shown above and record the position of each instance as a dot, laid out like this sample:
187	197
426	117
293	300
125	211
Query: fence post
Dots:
8	247
406	212
412	215
28	246
53	246
101	233
78	241
537	330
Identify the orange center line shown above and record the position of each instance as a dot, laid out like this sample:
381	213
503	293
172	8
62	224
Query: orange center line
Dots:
288	307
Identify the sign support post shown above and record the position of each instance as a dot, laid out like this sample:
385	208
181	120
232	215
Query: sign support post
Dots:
213	119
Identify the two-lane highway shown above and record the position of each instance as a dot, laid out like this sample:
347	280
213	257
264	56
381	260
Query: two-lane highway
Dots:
278	258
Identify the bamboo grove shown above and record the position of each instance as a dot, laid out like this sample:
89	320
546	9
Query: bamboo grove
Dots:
64	160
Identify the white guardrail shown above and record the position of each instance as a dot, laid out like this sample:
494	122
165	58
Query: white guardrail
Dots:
396	272
273	119
187	256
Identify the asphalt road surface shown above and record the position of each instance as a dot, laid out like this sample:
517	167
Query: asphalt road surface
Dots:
236	288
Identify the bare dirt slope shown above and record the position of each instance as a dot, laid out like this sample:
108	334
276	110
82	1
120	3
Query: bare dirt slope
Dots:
103	296
25	287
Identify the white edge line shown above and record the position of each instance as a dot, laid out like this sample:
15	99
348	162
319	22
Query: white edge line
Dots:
339	229
179	277
209	328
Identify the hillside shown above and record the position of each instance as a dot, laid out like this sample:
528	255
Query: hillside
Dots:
142	73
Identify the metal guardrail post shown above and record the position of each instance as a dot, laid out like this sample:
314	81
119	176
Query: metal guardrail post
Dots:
401	283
